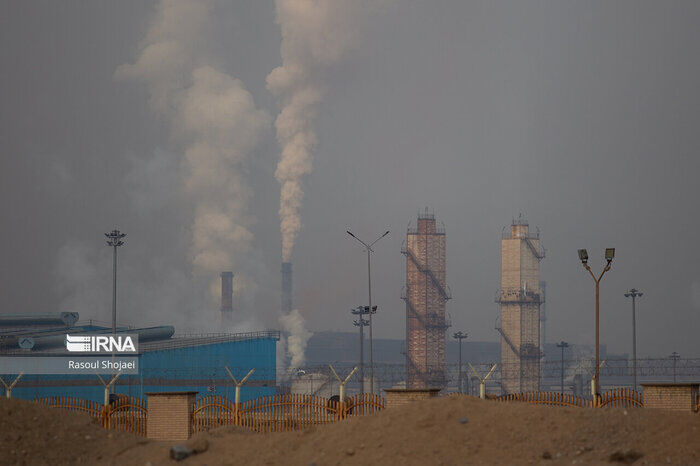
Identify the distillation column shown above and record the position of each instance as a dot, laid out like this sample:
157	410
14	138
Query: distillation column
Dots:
520	298
426	296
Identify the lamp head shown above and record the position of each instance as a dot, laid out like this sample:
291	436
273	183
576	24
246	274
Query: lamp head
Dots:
583	256
609	254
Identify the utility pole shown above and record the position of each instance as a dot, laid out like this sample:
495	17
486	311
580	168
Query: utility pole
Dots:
362	323
675	357
562	345
634	294
370	309
114	239
583	256
459	336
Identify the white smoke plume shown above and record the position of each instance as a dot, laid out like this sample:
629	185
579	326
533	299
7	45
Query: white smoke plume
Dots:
315	35
293	324
214	119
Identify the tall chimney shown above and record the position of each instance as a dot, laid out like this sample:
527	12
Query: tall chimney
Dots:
226	298
286	287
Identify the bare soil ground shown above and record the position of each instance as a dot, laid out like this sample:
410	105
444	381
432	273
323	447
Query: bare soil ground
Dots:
449	430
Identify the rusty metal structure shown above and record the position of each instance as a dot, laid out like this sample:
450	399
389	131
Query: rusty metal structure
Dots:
426	295
520	298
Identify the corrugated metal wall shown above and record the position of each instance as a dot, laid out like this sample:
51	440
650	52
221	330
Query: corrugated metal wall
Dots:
197	368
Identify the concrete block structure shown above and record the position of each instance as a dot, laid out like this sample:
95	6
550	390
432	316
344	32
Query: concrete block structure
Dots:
399	396
170	415
520	298
426	296
681	396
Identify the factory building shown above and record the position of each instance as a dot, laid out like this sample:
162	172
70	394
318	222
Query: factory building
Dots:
426	296
520	298
167	362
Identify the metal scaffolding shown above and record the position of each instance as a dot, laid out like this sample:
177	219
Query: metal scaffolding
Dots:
520	298
425	294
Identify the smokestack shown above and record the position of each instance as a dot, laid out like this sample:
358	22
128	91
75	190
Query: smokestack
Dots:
286	288
226	298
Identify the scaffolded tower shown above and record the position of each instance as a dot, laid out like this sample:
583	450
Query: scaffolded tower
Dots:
426	295
520	298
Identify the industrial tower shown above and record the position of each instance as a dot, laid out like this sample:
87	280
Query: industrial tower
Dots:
520	298
426	295
226	299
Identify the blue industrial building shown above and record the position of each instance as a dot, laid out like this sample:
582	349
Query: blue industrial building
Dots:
167	362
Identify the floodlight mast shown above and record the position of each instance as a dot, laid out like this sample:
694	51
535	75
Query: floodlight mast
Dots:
459	336
583	256
114	239
562	345
370	309
634	294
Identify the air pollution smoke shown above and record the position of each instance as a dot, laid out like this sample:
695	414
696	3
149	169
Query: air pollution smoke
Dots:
214	119
298	337
315	35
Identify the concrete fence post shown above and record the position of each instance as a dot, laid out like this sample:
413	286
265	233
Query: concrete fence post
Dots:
341	402
8	388
482	385
238	391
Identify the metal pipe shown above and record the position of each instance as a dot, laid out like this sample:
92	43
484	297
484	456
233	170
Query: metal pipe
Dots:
371	355
597	336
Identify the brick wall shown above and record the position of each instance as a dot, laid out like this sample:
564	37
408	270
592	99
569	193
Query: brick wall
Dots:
170	415
398	397
678	397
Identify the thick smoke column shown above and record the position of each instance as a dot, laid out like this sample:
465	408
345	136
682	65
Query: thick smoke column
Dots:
298	337
215	119
315	35
286	287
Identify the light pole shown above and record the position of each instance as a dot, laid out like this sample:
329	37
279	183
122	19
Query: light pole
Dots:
362	323
114	239
675	357
609	255
634	294
562	345
370	309
459	336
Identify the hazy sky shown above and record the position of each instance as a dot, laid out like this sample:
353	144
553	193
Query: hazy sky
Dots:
582	115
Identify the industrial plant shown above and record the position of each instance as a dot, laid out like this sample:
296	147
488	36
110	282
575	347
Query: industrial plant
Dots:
166	361
520	299
426	295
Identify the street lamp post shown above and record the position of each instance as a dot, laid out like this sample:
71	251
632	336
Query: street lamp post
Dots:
675	357
562	345
634	294
114	239
459	336
583	256
370	309
362	323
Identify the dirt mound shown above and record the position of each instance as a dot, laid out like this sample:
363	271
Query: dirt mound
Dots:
31	434
450	430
